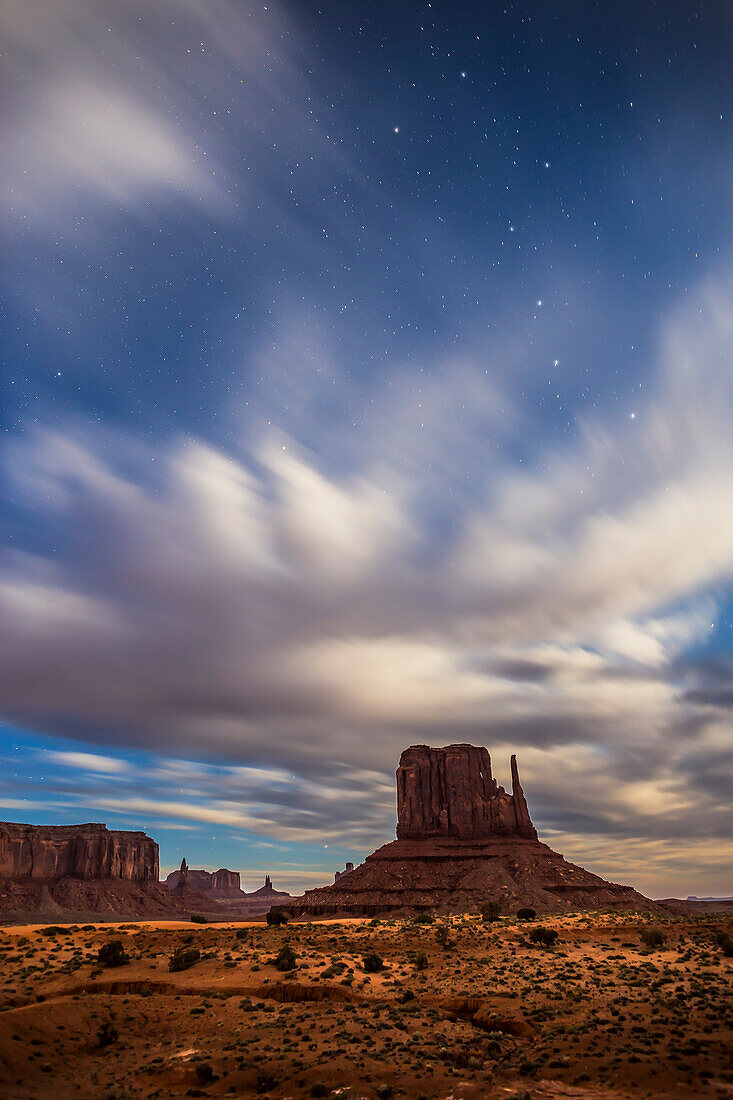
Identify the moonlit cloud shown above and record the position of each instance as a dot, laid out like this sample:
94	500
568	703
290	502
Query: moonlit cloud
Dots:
296	470
260	607
90	762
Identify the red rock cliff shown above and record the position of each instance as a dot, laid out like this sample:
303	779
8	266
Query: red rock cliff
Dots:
50	852
451	792
225	882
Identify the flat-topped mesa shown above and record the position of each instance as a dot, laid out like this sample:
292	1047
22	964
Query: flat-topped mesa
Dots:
450	792
217	883
224	881
46	853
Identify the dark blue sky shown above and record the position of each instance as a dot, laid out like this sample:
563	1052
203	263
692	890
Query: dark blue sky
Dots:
367	380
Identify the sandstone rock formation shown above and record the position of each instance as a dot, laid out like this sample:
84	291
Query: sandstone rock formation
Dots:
462	840
218	893
51	852
349	867
451	792
222	883
78	871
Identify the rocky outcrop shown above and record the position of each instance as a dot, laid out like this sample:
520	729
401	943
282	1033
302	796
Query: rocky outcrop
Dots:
219	893
80	872
346	871
222	883
450	792
462	840
225	882
47	853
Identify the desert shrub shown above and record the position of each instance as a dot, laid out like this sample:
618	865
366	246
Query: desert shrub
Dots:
384	1092
112	954
241	933
442	936
107	1034
526	913
286	958
652	937
319	1089
204	1073
421	961
198	918
265	1081
490	911
425	918
725	943
183	957
372	962
53	930
545	937
276	917
405	997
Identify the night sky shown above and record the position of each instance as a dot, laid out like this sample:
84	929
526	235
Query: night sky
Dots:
367	380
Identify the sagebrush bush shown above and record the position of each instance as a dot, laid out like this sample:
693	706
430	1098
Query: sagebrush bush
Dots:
725	943
546	937
442	936
490	911
526	913
372	962
113	953
286	958
107	1034
183	957
652	937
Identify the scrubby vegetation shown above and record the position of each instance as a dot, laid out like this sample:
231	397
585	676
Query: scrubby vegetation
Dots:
526	913
545	937
277	917
183	958
652	937
112	954
286	958
372	962
107	1034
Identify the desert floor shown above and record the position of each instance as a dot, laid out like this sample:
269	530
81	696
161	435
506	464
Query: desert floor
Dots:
491	1015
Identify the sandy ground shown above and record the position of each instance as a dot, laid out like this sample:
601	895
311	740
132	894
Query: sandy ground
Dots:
598	1016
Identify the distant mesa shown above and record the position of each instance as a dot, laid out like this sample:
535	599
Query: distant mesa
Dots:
222	889
75	872
81	869
221	883
462	840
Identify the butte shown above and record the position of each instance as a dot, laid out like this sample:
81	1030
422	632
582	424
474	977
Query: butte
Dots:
462	840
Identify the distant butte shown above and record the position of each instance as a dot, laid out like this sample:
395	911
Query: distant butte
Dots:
79	872
221	892
462	840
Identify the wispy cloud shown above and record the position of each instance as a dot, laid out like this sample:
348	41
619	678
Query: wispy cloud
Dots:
261	606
